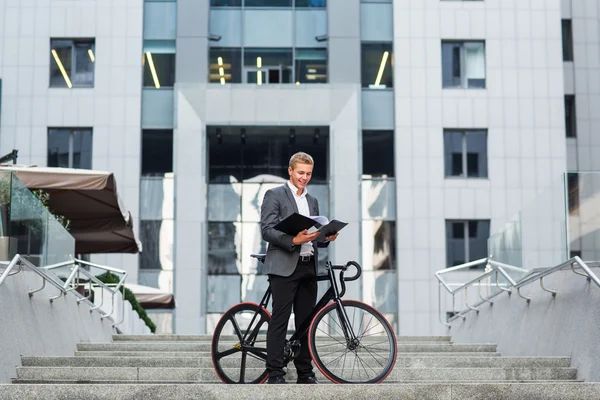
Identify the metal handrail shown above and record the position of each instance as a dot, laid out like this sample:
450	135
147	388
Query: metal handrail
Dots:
72	282
495	268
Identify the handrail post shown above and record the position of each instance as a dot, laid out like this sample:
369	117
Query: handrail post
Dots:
553	291
440	306
467	301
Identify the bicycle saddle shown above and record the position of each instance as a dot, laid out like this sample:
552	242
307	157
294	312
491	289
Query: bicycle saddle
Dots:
259	257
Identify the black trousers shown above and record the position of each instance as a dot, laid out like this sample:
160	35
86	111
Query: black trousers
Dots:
299	291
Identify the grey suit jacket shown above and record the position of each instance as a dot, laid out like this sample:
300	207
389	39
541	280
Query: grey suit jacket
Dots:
282	255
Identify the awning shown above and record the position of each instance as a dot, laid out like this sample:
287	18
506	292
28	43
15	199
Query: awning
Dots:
151	298
100	222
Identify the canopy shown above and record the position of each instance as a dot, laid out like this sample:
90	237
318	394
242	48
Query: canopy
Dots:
98	219
151	298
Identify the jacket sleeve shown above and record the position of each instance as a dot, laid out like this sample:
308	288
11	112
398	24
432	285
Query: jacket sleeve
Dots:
321	244
269	217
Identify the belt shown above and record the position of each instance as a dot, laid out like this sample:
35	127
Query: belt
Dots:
306	258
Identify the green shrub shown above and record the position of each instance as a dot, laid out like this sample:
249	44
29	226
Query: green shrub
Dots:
129	296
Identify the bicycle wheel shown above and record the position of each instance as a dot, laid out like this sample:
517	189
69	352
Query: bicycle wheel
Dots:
368	359
239	344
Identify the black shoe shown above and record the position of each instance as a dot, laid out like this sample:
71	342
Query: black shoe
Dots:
276	380
310	379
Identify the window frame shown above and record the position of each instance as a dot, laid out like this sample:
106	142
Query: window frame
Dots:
73	66
368	86
464	155
464	84
72	132
465	238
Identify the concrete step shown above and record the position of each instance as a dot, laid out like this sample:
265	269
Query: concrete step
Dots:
208	338
206	362
178	346
411	391
196	354
208	374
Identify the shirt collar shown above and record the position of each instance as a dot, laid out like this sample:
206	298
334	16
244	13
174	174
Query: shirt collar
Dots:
294	190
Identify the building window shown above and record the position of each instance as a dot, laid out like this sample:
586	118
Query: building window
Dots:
466	241
264	66
311	66
570	116
225	65
72	63
225	3
267	66
463	64
376	65
70	147
567	40
157	152
311	3
573	193
159	63
465	153
267	3
378	154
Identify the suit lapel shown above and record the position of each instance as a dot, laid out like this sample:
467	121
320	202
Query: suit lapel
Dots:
290	196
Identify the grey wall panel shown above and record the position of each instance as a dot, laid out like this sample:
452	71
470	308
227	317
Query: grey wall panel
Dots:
192	17
268	28
192	60
160	20
192	41
378	109
343	21
157	108
309	24
376	22
344	60
228	25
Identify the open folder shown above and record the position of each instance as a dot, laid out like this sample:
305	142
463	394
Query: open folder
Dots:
296	223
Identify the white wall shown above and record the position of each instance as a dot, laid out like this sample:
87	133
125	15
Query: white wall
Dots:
35	327
112	108
522	108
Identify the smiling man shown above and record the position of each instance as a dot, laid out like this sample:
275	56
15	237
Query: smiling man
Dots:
291	264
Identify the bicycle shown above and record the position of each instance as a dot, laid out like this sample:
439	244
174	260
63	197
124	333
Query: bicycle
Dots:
338	338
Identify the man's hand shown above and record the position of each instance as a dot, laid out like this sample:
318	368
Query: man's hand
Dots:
331	238
304	237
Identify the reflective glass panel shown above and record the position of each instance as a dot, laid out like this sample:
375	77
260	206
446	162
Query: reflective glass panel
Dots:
72	63
252	197
159	70
311	65
477	165
224	202
378	153
156	197
82	149
70	148
377	69
251	243
268	3
223	292
453	153
157	242
466	241
451	65
225	3
157	152
311	3
225	65
380	289
58	147
379	199
224	248
254	287
378	245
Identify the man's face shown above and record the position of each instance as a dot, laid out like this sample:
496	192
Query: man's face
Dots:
300	175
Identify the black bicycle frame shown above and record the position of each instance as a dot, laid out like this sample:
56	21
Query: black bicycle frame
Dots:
332	293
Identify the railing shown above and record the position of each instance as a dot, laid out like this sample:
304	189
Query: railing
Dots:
493	270
73	282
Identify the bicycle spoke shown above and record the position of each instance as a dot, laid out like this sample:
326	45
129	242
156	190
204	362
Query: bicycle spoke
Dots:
339	341
330	328
373	357
259	353
236	327
363	365
374	326
335	359
243	367
366	330
227	353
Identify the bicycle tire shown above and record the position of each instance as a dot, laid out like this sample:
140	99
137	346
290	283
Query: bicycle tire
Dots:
379	346
233	367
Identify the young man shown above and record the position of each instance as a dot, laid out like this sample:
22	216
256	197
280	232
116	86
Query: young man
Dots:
291	264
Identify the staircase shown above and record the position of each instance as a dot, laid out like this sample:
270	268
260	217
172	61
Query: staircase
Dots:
179	367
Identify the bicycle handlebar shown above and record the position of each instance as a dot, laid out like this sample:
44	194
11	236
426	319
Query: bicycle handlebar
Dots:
343	269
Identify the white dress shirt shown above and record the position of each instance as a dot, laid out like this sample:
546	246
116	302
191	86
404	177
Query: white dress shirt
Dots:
302	203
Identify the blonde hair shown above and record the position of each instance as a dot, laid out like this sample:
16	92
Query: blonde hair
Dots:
302	158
